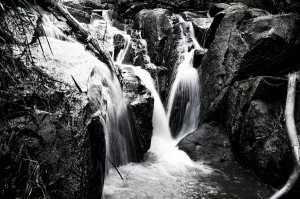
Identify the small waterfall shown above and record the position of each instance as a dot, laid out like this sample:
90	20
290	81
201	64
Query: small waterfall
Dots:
48	23
204	37
159	119
106	94
122	53
185	88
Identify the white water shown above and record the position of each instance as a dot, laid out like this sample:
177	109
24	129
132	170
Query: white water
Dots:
186	86
51	30
166	172
104	92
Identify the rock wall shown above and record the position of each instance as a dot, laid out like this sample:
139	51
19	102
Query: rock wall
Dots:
244	84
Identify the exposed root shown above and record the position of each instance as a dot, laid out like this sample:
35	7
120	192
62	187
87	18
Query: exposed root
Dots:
293	138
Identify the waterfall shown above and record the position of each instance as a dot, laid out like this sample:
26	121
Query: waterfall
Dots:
106	93
159	120
185	88
122	53
50	29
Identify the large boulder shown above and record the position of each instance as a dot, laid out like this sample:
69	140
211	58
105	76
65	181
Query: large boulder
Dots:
45	148
247	42
255	124
209	143
161	29
140	104
215	8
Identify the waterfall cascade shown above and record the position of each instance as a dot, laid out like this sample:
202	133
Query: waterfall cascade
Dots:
166	171
106	98
50	29
164	160
186	86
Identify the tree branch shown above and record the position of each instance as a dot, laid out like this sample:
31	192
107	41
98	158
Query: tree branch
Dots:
293	138
103	55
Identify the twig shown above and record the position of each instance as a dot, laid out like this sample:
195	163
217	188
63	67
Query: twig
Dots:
115	167
78	87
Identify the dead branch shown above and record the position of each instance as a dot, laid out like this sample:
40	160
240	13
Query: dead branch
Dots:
293	138
76	84
103	55
115	167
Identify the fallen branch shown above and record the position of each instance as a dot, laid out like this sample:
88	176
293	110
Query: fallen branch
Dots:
76	84
293	138
103	55
115	167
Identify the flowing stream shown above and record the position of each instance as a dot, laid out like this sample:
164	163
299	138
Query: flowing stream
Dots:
166	171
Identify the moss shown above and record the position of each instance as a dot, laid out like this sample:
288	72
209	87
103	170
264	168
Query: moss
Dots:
58	129
244	86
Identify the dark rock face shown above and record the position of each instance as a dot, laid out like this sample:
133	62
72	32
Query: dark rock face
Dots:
140	104
247	43
45	148
256	126
161	29
119	44
215	8
200	23
209	143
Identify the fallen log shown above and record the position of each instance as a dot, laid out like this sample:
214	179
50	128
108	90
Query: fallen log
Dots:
293	138
102	54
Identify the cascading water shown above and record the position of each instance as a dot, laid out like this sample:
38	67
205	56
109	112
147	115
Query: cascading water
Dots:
165	172
118	131
49	28
185	88
106	99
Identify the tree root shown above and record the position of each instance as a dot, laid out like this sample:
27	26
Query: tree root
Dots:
293	138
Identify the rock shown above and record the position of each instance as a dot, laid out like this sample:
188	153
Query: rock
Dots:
140	104
189	16
198	57
163	32
209	143
157	25
200	23
275	7
81	16
119	44
49	147
97	152
255	124
215	8
247	43
201	26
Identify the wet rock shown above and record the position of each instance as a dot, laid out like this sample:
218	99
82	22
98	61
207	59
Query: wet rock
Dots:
215	8
119	44
247	43
209	143
189	16
198	57
97	157
255	124
81	16
201	26
140	104
200	23
275	7
52	151
162	31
